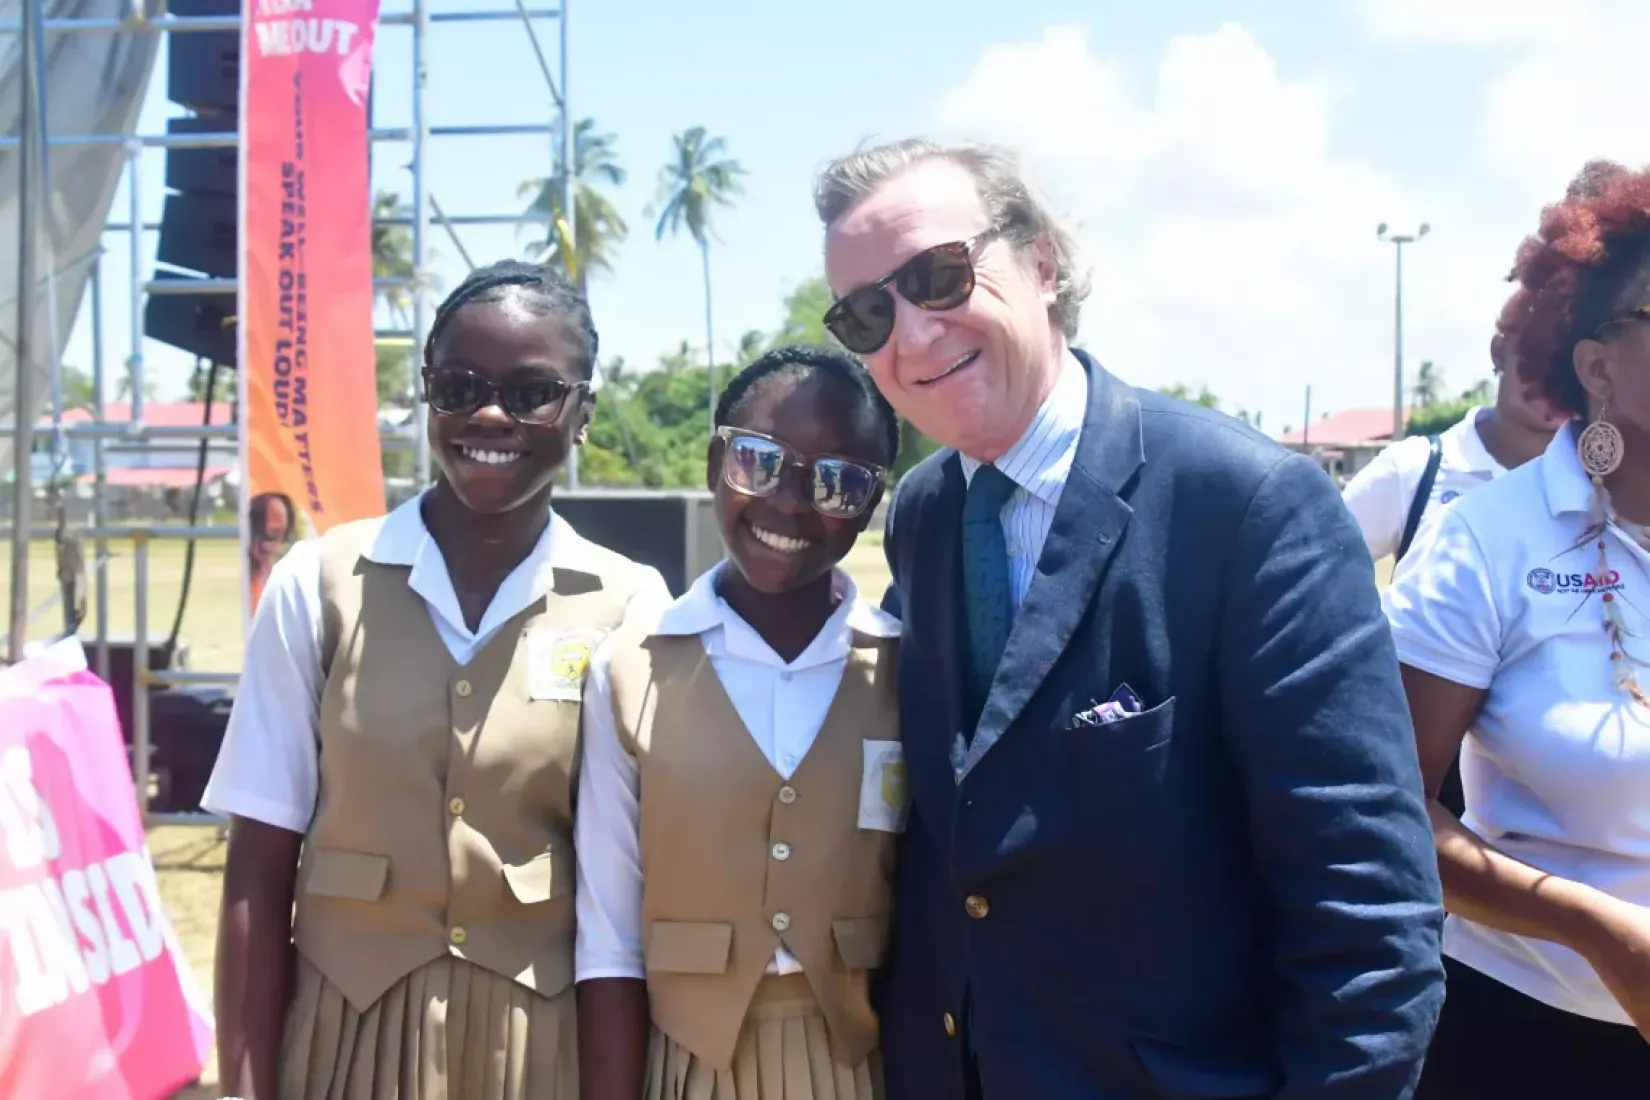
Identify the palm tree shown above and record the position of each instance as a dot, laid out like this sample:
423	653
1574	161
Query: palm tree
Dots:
78	391
123	388
1429	383
598	227
699	177
392	258
751	347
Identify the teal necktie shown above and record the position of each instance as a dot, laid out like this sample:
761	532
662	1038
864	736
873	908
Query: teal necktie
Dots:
987	595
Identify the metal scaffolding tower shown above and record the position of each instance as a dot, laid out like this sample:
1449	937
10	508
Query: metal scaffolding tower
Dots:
34	28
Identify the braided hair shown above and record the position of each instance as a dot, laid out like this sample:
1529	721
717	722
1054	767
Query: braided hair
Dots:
798	361
534	288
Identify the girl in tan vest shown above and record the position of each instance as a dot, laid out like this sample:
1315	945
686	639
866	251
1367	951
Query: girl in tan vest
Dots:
400	757
742	783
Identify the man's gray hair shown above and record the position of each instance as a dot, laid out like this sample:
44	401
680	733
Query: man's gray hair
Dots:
1014	205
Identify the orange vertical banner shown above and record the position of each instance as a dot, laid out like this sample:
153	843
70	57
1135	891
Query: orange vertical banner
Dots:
309	395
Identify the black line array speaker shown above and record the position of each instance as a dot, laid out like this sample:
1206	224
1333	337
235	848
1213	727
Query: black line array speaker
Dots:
209	171
200	324
204	67
199	233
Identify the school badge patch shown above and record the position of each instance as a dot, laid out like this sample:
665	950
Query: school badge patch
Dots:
557	662
570	660
882	795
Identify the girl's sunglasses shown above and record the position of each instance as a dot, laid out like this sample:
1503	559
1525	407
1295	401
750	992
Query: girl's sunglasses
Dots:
755	465
535	399
935	279
1642	313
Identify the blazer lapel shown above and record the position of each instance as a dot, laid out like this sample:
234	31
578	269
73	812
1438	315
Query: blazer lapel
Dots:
1088	525
935	653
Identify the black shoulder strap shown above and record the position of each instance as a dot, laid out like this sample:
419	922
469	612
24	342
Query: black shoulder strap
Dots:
1423	493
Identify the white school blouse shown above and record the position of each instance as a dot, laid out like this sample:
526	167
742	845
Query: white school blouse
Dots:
782	706
1381	493
268	768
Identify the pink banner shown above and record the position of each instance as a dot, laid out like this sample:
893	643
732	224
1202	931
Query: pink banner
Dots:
96	1001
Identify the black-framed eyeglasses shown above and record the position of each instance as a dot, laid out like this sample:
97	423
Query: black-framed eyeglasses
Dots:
935	279
530	399
755	464
1642	313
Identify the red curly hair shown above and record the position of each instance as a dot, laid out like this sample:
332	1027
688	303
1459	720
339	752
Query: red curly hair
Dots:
1571	273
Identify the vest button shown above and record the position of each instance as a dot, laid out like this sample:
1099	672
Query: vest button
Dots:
950	1024
782	851
977	906
462	689
787	795
781	921
456	806
458	935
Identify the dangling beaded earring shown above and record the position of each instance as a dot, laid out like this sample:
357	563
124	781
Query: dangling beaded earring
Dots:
1601	448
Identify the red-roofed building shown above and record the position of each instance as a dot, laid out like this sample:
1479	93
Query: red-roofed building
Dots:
1345	441
151	464
156	414
158	477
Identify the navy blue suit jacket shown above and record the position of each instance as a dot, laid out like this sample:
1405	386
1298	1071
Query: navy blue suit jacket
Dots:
1230	894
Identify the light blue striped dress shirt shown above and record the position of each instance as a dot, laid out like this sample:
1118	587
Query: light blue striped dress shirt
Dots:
1038	464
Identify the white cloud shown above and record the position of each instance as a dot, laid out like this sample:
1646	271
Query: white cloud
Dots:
1233	236
1577	94
1231	246
1465	22
1570	85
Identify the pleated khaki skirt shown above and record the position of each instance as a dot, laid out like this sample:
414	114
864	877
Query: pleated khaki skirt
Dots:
784	1052
450	1030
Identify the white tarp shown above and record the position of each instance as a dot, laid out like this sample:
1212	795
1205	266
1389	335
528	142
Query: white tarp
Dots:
95	84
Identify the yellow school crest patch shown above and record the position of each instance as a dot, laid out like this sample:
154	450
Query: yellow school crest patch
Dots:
882	794
556	665
893	784
569	660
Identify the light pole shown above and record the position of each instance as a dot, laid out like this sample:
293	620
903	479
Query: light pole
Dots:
1398	240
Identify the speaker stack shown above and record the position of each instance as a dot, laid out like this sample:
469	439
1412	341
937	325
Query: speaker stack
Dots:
198	227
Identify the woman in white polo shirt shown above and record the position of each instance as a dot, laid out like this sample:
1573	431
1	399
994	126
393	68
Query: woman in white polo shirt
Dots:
1394	495
1522	620
1386	497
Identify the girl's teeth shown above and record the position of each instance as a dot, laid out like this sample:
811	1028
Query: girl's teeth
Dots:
491	458
783	543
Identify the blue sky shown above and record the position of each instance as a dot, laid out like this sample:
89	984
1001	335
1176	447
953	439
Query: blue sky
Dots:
1226	163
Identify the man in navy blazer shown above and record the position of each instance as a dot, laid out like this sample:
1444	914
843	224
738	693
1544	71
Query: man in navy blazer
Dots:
1166	834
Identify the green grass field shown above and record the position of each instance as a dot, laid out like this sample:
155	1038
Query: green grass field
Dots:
212	619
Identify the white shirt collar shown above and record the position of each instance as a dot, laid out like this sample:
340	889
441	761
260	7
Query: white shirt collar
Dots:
1471	456
1041	458
1567	485
403	540
702	611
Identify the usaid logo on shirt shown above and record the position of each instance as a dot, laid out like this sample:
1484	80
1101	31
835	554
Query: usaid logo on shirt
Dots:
1547	582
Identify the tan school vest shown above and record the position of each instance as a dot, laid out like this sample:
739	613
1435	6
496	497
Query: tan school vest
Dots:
444	817
738	861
